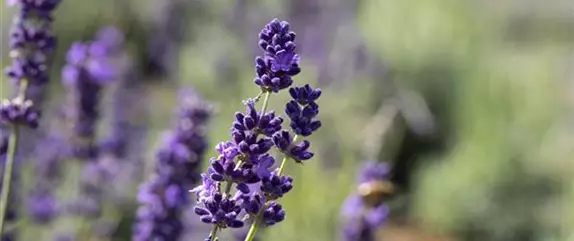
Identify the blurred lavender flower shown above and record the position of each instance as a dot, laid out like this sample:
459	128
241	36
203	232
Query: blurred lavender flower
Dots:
164	197
31	42
88	68
364	212
244	162
41	203
168	33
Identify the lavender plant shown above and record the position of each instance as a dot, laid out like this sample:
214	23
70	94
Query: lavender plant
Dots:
31	44
244	163
163	197
88	70
364	211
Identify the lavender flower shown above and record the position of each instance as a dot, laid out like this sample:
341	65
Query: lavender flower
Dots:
168	33
164	197
302	110
364	212
18	112
42	205
32	42
244	163
88	69
280	62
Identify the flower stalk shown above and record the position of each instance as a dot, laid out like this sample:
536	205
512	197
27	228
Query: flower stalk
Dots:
7	179
245	159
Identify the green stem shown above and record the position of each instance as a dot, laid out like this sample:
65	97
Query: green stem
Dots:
213	233
12	146
285	159
265	102
255	226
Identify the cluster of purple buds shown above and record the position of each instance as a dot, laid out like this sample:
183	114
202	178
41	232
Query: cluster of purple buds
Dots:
364	211
32	41
164	197
244	163
280	62
18	112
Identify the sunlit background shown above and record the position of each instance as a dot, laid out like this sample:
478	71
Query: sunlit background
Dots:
471	102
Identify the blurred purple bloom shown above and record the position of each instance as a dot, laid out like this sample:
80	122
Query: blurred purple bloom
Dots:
165	196
167	33
49	153
31	44
89	67
42	206
363	213
374	171
361	222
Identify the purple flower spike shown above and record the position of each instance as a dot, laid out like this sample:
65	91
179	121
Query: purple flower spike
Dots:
89	67
280	62
302	119
299	152
32	41
243	179
165	196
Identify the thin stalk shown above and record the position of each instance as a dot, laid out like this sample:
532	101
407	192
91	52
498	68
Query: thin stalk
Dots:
255	226
213	233
265	102
12	146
